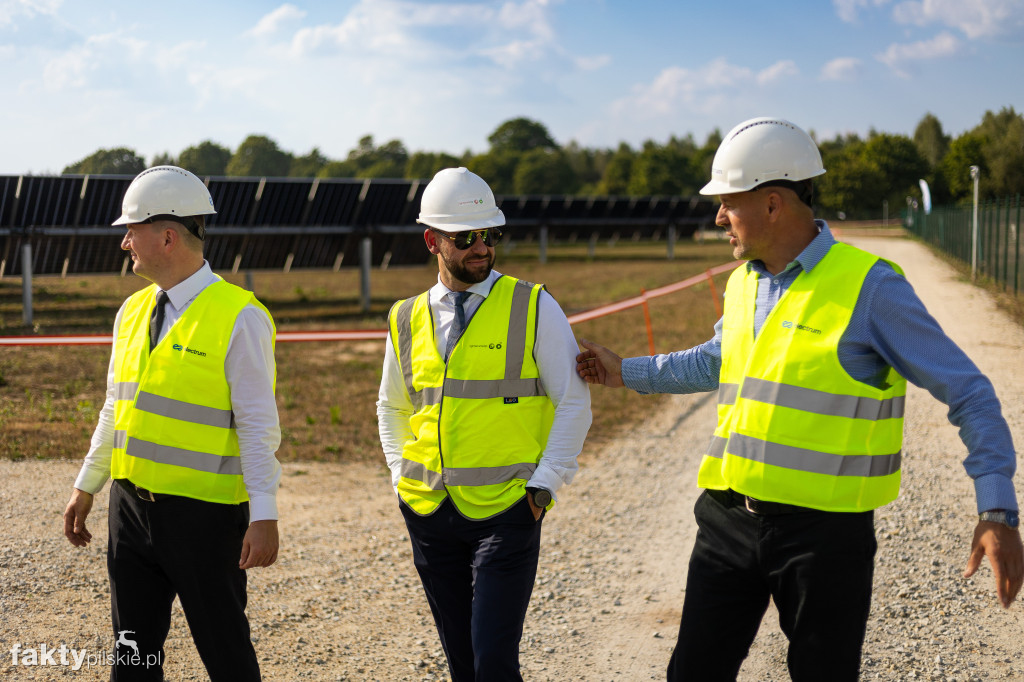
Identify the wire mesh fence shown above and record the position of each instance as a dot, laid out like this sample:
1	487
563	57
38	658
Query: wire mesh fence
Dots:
994	252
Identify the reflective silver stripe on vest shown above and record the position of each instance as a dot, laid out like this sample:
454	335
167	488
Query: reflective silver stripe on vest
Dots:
466	475
404	324
415	471
199	461
120	438
515	344
487	475
125	390
717	447
493	388
515	355
727	393
186	412
821	402
430	395
802	459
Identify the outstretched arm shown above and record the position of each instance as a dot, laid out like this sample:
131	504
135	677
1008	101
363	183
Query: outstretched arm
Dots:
598	365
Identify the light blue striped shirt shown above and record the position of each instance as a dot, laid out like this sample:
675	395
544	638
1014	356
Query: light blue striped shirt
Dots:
890	327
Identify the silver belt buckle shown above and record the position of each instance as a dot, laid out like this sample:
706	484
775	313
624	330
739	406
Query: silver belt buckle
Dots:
746	503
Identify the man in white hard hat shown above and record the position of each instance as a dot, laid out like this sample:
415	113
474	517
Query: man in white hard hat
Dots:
810	361
481	419
188	433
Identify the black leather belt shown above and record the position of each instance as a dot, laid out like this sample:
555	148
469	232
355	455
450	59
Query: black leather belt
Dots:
142	493
731	498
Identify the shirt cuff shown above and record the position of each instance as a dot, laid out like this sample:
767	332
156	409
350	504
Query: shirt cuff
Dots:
90	481
995	491
545	478
636	374
262	508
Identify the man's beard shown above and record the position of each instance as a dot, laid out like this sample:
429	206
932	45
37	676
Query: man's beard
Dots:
464	275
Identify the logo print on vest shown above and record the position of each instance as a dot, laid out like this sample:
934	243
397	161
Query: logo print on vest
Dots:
193	351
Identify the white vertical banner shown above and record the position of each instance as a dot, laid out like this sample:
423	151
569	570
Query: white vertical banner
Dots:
926	196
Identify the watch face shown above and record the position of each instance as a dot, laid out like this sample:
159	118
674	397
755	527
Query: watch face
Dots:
542	498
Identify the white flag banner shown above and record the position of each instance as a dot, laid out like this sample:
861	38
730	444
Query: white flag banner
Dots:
926	196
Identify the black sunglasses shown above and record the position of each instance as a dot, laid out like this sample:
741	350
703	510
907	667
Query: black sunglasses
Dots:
464	240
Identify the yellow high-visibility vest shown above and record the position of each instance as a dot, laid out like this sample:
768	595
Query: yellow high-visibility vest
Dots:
482	419
174	427
793	426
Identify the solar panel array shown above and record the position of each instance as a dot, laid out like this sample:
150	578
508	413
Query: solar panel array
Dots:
286	223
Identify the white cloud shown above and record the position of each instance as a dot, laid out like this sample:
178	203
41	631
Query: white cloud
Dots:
272	22
593	63
66	70
70	68
975	18
511	36
898	56
777	71
531	15
677	89
385	25
10	10
841	69
515	53
849	10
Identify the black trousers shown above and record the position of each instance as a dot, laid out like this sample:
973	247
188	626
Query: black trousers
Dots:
478	577
816	566
185	547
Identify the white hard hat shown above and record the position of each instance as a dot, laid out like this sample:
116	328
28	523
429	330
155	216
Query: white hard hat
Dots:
762	150
164	190
457	200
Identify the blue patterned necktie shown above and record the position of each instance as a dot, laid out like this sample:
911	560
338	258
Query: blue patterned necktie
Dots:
459	323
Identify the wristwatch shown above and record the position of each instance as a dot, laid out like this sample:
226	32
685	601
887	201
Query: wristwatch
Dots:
541	497
1007	517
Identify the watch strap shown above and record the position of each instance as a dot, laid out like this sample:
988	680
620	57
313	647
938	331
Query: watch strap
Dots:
1003	516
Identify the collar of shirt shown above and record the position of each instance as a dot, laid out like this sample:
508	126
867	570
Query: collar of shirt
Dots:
182	293
444	308
808	258
439	297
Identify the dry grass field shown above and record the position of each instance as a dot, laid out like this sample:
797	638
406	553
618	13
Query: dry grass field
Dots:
326	391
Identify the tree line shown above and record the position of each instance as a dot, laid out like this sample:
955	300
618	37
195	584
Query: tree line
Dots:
523	158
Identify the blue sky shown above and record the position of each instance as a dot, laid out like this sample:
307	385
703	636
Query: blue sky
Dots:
441	76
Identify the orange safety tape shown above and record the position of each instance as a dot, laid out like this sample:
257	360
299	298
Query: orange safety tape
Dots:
378	334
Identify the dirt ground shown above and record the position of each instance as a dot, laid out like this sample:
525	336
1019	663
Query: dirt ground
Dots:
343	602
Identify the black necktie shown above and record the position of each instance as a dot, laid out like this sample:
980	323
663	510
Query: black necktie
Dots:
459	323
156	320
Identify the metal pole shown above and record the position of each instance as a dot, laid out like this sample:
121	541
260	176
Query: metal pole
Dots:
672	242
543	244
885	213
365	253
975	172
26	284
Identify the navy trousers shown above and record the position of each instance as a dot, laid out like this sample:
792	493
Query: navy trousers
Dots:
816	566
478	577
184	547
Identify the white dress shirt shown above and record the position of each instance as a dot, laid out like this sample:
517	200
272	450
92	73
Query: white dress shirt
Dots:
250	371
555	353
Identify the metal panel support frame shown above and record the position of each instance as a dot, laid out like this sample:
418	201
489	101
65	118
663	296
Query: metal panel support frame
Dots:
26	283
365	263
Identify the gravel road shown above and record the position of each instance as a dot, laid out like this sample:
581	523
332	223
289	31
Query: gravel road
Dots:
343	602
